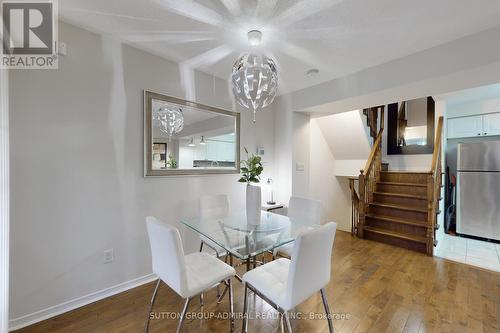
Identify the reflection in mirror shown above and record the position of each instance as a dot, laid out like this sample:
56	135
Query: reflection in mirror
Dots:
190	138
410	127
412	122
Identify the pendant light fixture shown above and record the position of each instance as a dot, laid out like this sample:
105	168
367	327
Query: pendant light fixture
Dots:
169	119
254	78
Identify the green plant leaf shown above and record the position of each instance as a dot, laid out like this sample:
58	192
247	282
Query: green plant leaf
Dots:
251	168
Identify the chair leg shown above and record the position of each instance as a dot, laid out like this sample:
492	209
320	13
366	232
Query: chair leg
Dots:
153	299
282	327
244	328
221	297
201	246
231	307
327	310
183	314
288	325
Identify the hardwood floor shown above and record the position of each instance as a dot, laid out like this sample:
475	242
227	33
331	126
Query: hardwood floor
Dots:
379	287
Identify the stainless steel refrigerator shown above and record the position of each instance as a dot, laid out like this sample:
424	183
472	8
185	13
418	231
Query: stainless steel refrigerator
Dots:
478	198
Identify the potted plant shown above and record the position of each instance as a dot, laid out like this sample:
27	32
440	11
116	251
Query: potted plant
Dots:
250	173
171	162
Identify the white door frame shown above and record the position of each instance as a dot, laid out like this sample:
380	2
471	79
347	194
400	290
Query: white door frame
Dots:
4	201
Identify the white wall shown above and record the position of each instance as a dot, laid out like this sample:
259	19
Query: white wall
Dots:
77	164
301	155
473	108
283	144
4	201
345	134
332	191
316	142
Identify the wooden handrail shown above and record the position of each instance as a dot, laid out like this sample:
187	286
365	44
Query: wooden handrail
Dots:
369	176
437	144
434	181
373	152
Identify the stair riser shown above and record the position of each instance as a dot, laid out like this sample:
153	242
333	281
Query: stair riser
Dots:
395	241
401	201
415	190
397	227
417	178
399	213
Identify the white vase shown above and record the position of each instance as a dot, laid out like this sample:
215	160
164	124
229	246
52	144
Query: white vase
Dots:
254	200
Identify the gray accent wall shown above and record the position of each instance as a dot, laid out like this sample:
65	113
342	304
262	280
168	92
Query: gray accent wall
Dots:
77	170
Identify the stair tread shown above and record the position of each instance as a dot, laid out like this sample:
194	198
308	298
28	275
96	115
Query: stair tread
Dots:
413	238
416	223
402	184
392	194
413	209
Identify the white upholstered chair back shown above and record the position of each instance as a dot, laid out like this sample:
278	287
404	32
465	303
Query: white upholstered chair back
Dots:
213	206
306	211
310	268
167	254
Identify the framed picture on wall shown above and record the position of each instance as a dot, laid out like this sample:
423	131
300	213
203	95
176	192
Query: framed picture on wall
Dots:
159	155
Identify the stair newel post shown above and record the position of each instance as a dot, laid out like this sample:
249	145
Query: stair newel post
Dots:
362	204
430	214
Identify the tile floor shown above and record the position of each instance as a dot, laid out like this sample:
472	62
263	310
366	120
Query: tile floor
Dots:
469	251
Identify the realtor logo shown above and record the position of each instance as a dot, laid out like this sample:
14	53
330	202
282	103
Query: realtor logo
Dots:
29	35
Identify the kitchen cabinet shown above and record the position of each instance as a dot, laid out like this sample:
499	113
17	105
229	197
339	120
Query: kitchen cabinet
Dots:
229	152
212	151
465	127
491	124
201	152
219	151
474	126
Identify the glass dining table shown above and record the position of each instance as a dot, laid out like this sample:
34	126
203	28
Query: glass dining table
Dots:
245	241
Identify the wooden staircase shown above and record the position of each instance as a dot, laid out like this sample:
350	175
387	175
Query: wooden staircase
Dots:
398	207
397	213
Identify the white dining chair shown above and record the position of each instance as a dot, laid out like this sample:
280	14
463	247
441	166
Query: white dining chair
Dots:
212	207
188	275
305	211
285	283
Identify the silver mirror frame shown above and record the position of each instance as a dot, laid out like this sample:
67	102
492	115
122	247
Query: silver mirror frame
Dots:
148	137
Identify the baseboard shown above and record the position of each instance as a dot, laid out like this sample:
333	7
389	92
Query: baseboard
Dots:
35	317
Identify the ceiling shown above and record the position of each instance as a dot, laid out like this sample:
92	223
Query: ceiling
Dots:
338	37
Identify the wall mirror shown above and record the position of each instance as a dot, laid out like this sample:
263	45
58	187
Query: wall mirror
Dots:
411	127
187	138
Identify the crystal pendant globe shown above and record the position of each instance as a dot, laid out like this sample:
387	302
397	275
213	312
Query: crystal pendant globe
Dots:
169	120
255	81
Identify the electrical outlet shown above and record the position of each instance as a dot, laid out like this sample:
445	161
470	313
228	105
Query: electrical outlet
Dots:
109	256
